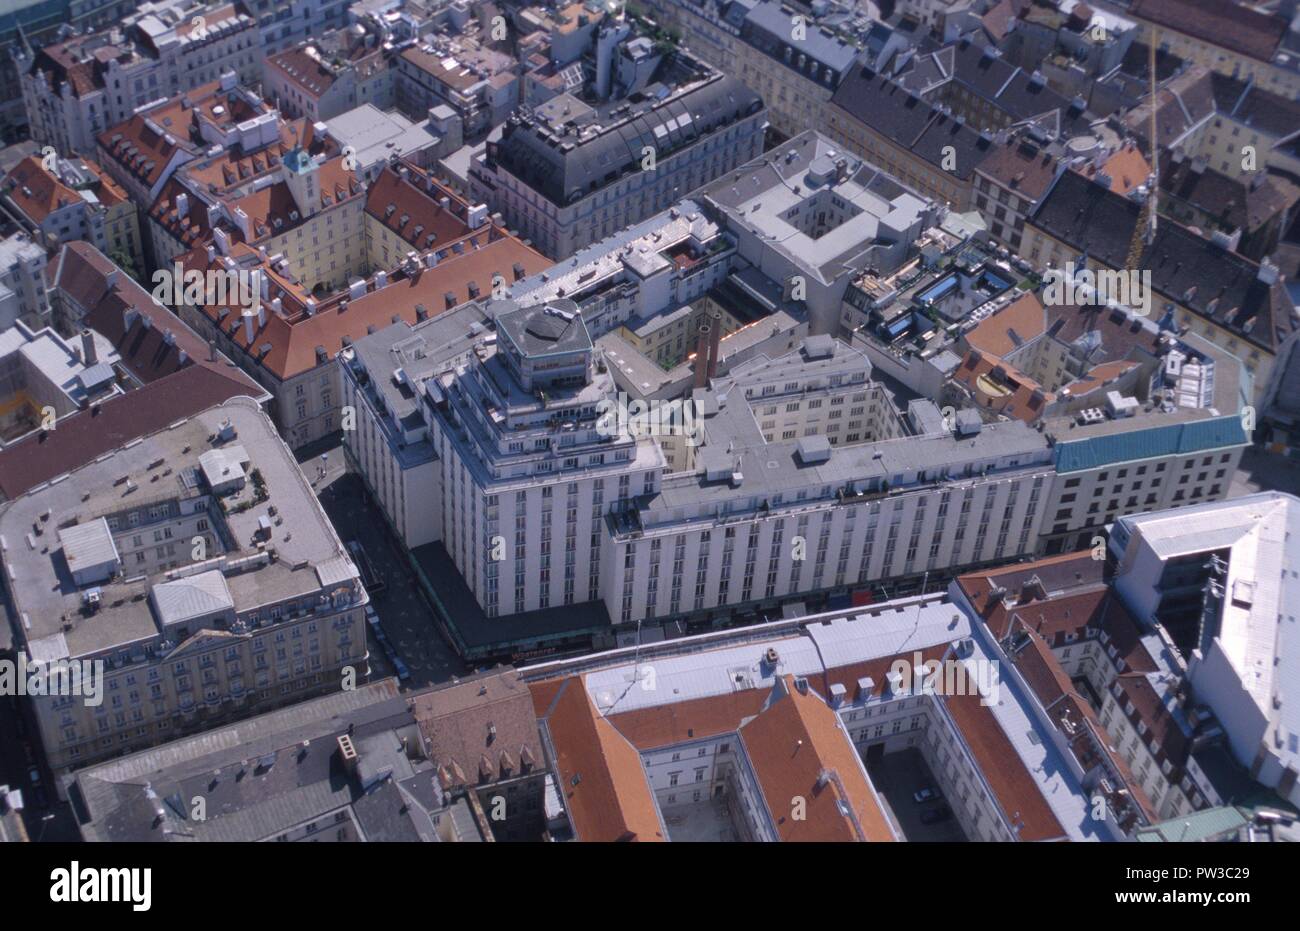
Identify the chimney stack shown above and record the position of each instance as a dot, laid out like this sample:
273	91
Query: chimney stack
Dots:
715	340
249	316
88	348
702	357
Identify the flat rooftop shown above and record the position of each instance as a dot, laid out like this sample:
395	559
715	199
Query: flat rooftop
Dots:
779	195
378	136
163	467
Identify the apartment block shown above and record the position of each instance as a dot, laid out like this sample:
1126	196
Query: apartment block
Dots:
325	77
566	176
1198	284
74	90
24	294
200	572
1232	39
74	200
779	734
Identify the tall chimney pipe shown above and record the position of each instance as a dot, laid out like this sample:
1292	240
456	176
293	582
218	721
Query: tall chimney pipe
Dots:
702	357
715	340
88	348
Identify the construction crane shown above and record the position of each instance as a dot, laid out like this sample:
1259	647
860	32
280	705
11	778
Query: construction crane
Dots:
1144	231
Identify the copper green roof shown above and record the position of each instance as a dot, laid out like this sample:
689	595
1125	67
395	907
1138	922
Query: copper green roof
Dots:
1173	440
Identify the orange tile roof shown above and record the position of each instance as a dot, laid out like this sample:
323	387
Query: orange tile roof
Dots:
997	386
109	192
1126	168
693	719
1097	377
190	230
799	749
1013	787
1011	327
292	338
36	192
275	202
601	777
416	214
234	168
145	143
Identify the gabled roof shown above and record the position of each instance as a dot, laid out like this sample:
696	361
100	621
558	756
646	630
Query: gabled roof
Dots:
36	192
799	750
155	342
412	211
1021	166
911	122
1187	269
1011	327
602	781
999	386
1233	26
285	345
485	716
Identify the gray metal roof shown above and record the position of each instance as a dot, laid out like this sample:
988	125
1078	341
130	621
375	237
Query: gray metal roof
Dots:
192	597
564	167
88	544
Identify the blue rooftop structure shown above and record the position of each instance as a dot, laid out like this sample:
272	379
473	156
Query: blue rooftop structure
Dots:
1172	440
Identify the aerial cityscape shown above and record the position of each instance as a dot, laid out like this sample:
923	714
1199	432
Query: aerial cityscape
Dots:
663	420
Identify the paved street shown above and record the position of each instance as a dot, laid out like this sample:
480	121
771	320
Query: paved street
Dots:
405	616
20	754
1261	471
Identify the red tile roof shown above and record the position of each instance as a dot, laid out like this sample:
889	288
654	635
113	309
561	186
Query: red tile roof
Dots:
106	294
1218	22
693	719
799	750
292	338
1011	327
1000	387
601	777
1013	787
82	436
1075	718
408	206
306	71
36	192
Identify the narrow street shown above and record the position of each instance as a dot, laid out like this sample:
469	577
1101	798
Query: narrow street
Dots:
405	616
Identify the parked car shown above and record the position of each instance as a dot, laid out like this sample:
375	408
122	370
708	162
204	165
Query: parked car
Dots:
371	578
35	775
402	672
928	794
936	815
